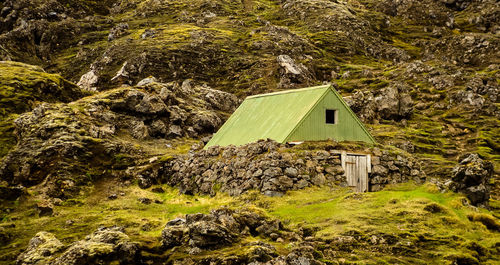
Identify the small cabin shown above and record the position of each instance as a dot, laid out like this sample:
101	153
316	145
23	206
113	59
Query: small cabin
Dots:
297	115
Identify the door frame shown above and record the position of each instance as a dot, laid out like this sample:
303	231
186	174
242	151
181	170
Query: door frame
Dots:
343	160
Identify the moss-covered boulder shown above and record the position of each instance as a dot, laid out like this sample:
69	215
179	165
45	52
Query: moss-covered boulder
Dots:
104	246
22	87
40	249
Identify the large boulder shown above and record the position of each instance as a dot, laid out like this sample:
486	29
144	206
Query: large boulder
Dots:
40	250
471	177
292	73
394	102
106	245
390	103
220	228
22	88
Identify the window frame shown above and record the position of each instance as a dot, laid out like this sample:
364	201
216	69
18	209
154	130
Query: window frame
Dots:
335	116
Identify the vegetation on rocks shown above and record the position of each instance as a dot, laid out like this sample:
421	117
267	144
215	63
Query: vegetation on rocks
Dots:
22	87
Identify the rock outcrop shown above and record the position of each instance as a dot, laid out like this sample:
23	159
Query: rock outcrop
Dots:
390	103
40	249
106	245
220	228
58	142
226	228
23	87
472	177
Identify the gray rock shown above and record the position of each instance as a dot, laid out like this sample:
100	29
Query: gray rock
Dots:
273	172
392	103
104	245
204	122
471	177
174	131
215	230
291	72
144	182
158	128
89	81
118	31
173	235
122	75
336	170
139	130
40	249
319	179
380	170
206	234
346	75
285	182
102	131
291	172
148	104
44	209
218	99
146	81
302	184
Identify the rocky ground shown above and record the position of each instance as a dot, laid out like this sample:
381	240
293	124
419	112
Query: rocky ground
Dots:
105	106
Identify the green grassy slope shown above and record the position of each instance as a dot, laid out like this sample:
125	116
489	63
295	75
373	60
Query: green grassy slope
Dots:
422	224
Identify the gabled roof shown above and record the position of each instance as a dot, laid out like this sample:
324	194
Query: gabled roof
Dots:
273	115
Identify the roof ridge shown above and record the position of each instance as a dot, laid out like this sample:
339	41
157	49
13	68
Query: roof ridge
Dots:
288	91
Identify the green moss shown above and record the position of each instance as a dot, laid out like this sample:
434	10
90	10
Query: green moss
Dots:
401	210
22	87
93	209
412	50
7	138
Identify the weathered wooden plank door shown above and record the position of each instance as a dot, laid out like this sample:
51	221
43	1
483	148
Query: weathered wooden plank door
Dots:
356	170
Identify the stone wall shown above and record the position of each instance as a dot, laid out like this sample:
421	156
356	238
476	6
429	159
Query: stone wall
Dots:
264	166
273	169
390	168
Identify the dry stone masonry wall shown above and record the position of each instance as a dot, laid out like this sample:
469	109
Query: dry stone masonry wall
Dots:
273	169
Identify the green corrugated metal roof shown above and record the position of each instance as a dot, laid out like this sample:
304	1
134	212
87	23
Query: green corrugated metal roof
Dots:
272	115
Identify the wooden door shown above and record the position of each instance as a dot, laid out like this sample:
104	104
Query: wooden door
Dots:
356	170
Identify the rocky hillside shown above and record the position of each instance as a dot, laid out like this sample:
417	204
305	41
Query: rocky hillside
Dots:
105	106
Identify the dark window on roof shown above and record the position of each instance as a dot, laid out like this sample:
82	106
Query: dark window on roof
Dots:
330	116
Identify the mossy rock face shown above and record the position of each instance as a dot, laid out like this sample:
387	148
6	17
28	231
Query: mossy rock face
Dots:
104	245
52	10
40	249
69	146
24	86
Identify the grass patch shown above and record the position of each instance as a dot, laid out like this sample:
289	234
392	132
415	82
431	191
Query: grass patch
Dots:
76	218
403	210
437	222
